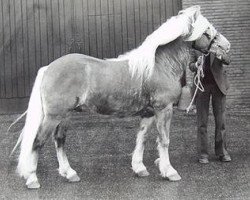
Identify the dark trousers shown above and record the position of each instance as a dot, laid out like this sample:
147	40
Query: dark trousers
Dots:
202	106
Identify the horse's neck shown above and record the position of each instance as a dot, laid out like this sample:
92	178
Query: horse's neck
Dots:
173	58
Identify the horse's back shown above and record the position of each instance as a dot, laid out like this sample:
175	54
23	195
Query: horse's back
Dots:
72	58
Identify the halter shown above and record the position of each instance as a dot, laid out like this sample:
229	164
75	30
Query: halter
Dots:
201	26
212	41
210	44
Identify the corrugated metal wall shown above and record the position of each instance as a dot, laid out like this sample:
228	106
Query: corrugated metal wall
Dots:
232	19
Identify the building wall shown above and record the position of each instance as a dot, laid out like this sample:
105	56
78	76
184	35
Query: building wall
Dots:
232	19
35	32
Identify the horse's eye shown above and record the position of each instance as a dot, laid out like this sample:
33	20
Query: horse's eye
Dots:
218	45
207	35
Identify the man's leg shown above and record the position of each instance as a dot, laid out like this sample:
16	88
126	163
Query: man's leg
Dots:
202	106
219	104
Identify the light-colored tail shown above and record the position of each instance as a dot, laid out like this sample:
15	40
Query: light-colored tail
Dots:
21	135
33	120
17	120
17	143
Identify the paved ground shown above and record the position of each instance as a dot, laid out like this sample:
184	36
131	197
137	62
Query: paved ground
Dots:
100	148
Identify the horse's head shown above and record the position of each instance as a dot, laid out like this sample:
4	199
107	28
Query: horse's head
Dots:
205	37
213	42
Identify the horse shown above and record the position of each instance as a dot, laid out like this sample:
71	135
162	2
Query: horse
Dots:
143	82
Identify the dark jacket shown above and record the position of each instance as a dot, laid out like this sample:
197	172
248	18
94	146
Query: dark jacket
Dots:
217	69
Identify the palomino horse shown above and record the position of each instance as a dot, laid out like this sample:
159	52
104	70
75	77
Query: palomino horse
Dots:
145	82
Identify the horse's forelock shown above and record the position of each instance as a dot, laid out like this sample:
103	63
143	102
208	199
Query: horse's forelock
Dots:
199	26
193	12
212	30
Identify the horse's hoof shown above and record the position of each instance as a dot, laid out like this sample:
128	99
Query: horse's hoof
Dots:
174	177
142	173
33	185
74	178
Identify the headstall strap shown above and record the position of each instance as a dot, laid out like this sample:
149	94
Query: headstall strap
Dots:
212	41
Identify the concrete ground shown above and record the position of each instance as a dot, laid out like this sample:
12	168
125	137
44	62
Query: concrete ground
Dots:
99	148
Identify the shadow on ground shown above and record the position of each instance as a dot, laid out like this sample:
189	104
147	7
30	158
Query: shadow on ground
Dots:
99	148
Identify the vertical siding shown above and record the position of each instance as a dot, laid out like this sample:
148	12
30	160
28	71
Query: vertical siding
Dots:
35	32
232	19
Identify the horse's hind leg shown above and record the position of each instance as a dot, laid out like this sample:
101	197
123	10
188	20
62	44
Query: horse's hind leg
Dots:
137	158
64	167
46	128
163	120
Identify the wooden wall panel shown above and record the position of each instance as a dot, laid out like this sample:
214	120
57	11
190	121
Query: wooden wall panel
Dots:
33	33
7	61
2	53
25	47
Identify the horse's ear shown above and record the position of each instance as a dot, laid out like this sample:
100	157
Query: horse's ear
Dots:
197	12
193	12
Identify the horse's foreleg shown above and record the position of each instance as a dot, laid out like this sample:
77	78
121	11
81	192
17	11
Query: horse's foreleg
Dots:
64	167
137	158
163	120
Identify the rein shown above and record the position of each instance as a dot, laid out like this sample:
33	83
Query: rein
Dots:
197	79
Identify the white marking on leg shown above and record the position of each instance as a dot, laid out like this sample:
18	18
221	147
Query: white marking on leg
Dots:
164	164
64	167
137	158
163	125
32	182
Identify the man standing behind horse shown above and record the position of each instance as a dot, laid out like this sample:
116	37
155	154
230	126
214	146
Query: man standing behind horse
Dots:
215	85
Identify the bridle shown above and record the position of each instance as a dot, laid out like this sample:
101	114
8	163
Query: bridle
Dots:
206	51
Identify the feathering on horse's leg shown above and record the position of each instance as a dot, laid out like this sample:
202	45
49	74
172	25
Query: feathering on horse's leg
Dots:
137	158
163	121
64	169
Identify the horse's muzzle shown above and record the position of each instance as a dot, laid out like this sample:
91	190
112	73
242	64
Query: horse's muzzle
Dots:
222	55
225	58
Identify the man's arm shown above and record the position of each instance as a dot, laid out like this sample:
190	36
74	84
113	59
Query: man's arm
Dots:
193	60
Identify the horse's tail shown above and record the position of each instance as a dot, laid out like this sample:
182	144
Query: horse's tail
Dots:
21	135
33	120
17	120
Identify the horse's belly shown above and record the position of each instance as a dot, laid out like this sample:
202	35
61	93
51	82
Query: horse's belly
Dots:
115	104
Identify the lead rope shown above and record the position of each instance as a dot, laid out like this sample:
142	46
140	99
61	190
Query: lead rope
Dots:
197	79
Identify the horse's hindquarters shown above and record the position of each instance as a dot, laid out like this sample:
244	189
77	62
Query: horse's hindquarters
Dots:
63	85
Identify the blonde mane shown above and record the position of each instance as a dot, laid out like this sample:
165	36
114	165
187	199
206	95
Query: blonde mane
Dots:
142	59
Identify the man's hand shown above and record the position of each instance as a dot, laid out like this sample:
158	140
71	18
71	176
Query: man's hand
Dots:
192	67
226	58
223	56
